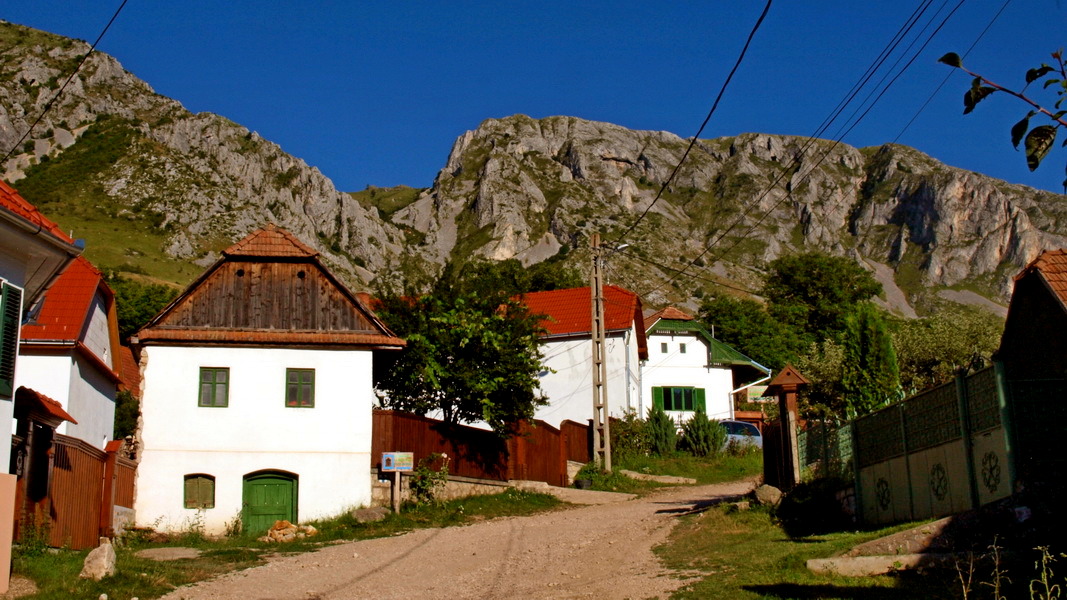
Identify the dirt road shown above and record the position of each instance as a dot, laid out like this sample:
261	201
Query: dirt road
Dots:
601	551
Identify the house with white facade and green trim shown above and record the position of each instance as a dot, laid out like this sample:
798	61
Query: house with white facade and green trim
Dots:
688	369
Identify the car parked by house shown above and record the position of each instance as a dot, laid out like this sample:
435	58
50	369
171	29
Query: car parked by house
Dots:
740	432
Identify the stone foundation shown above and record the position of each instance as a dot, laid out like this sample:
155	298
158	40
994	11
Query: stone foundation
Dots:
456	487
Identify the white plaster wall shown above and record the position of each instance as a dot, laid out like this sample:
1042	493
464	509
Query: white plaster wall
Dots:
83	391
570	387
672	368
327	447
50	375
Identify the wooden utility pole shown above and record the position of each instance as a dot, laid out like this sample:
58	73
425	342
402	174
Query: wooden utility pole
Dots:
601	419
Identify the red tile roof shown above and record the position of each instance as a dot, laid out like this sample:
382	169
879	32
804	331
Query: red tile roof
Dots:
260	336
570	312
66	304
1052	266
668	313
129	371
270	242
25	395
13	202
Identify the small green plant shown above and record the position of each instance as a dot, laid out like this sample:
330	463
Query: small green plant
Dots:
1041	587
629	436
702	436
662	432
426	480
35	538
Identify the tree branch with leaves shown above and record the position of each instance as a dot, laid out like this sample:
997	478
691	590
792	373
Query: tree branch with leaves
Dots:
1038	140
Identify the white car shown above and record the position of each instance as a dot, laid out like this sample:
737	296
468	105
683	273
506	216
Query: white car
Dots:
741	432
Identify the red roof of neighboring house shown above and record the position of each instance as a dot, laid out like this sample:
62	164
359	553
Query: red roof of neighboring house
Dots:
272	242
129	371
570	311
66	304
668	313
1052	266
25	395
13	202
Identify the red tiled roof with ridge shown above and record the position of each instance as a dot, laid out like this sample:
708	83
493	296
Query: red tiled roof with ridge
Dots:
66	304
13	202
25	395
671	313
570	311
1052	266
270	242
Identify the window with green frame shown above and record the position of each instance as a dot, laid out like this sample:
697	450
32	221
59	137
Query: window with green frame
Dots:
300	388
679	398
215	386
199	491
10	318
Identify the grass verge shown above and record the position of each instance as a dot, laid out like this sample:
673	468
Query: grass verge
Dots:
56	571
738	555
711	469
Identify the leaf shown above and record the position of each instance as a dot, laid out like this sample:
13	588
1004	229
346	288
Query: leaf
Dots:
1033	75
1038	143
976	94
1019	130
951	59
1049	82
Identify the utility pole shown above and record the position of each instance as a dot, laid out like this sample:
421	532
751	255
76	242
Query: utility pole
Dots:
601	418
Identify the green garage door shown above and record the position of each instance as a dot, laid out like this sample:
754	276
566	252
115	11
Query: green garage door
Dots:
268	497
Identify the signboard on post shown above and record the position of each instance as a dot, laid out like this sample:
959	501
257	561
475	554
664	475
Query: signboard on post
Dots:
395	463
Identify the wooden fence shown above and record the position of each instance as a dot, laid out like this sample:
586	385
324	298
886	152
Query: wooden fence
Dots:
83	485
539	452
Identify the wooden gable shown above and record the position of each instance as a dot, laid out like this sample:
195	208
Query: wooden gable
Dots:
269	288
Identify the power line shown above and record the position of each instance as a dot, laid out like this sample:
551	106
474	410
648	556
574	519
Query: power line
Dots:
696	136
833	145
48	106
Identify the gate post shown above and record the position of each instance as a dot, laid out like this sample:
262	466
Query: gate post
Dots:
785	385
107	499
965	433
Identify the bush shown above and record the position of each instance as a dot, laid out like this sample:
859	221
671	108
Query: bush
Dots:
813	508
426	480
702	436
662	432
629	436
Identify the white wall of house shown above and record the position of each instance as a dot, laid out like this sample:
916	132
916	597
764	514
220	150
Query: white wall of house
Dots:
79	386
567	378
97	336
673	367
327	447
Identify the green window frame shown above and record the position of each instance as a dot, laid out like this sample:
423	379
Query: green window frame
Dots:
214	387
199	491
677	398
300	388
10	321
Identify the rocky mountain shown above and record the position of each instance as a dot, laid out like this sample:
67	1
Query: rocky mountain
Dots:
156	183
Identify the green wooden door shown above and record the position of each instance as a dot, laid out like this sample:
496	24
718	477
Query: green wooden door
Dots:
268	497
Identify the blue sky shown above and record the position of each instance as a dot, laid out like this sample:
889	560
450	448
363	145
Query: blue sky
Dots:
376	93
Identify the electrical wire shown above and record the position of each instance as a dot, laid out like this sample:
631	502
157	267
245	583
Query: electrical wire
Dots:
48	105
696	137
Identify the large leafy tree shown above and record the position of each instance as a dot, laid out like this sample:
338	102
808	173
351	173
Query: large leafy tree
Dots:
815	292
748	327
931	350
137	302
472	352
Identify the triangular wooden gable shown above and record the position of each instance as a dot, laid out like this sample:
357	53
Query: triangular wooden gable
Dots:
269	288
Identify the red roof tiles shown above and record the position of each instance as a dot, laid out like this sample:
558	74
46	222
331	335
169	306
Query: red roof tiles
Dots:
129	371
668	313
570	311
259	336
66	304
1052	266
270	242
26	397
13	202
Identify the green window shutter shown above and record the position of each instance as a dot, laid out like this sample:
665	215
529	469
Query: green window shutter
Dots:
214	387
699	401
657	397
199	491
190	491
10	313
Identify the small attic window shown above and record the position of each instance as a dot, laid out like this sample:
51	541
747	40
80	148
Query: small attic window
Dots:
240	272
301	274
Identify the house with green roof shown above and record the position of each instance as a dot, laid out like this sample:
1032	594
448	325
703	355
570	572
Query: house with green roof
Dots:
688	369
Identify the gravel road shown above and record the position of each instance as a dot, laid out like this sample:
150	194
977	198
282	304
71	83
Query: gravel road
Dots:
600	551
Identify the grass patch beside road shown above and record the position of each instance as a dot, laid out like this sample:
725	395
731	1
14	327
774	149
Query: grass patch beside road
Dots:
56	571
712	469
738	555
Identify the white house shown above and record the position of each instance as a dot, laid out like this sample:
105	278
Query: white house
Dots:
70	351
33	250
688	369
567	378
257	394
